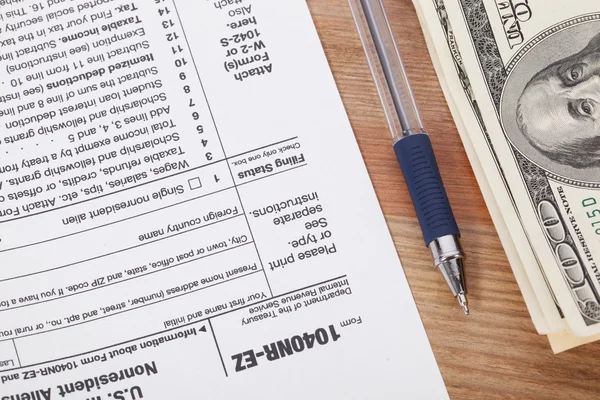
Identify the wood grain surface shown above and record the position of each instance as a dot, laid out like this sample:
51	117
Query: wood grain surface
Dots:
495	353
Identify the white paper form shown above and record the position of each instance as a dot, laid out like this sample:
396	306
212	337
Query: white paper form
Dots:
184	212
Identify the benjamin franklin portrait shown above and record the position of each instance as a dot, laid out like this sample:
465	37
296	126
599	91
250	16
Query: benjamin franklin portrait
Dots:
558	111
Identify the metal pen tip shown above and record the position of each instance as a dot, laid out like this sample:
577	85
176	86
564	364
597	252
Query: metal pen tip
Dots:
462	300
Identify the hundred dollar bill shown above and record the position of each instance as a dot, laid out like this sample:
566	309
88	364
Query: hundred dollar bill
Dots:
534	74
459	95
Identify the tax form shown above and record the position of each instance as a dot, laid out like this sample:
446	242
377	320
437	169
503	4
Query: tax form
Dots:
185	213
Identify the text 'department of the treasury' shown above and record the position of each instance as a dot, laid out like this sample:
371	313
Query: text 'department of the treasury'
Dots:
184	212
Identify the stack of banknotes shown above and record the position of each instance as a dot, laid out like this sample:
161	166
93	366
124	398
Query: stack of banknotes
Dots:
522	80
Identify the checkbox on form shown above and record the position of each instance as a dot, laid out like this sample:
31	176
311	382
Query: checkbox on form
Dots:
195	183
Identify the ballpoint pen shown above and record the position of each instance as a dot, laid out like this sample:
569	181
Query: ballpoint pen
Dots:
412	145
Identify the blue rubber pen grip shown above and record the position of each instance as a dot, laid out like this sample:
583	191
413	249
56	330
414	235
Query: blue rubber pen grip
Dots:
416	158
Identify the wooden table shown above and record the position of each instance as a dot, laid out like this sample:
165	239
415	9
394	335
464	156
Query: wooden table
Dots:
495	353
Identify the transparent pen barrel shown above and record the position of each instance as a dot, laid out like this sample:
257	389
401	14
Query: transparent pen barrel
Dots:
392	68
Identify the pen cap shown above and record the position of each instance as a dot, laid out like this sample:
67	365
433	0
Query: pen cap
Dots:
422	176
